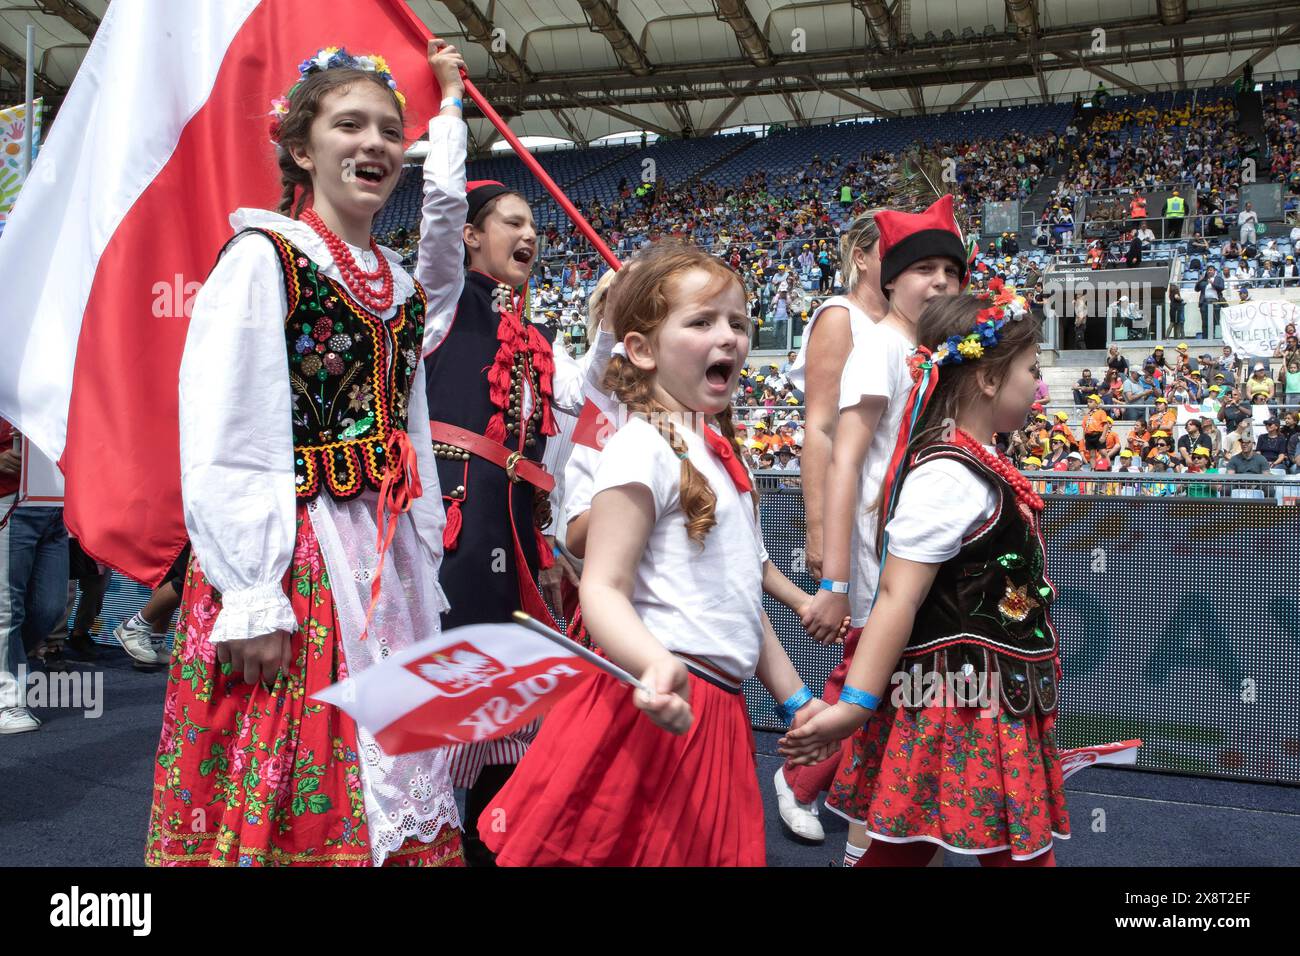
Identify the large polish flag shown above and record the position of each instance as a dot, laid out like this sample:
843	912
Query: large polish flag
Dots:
163	134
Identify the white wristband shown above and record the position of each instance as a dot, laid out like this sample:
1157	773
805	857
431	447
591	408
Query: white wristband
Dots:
450	101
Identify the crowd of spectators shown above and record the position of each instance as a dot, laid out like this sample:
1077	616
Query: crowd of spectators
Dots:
1282	130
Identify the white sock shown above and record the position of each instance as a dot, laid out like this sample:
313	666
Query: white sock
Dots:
138	621
852	854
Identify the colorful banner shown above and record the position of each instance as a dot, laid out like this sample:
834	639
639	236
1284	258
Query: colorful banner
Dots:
13	130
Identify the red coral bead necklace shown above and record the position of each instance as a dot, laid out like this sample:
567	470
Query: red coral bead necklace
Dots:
1003	467
354	277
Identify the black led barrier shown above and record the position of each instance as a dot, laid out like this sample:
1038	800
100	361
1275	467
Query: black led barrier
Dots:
1179	623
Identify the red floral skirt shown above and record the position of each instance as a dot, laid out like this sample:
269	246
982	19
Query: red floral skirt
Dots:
947	775
603	786
247	776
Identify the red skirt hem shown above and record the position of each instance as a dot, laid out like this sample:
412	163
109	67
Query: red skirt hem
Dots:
603	786
954	777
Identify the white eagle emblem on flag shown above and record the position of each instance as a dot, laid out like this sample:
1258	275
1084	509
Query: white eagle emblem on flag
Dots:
457	670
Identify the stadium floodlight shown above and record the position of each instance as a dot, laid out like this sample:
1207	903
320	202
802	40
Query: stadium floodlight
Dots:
967	33
949	36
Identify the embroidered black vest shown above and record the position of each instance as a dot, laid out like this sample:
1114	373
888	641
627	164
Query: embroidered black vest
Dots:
987	610
349	377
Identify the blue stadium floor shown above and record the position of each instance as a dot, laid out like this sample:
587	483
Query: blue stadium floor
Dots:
76	793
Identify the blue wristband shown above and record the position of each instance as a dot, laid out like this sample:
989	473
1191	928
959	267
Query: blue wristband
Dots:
797	699
859	698
555	549
837	587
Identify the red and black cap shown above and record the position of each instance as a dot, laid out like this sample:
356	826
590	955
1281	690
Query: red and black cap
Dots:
907	237
480	192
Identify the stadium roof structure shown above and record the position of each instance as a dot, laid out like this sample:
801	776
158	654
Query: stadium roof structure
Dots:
583	69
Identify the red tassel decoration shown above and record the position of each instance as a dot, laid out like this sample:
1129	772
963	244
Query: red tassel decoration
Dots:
451	533
496	429
544	366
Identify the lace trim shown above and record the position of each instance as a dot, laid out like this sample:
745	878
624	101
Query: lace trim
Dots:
253	612
418	809
408	795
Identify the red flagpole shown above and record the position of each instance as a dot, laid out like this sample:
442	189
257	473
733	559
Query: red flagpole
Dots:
521	151
543	177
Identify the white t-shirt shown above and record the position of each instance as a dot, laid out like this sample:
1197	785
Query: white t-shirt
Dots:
579	477
858	320
706	601
940	489
877	366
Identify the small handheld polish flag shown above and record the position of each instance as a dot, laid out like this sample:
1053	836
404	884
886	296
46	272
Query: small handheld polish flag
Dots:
1119	754
467	685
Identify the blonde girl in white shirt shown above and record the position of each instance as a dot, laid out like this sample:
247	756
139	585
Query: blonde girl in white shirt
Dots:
671	592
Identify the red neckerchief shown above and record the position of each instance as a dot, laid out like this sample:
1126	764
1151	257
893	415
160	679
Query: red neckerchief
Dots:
725	450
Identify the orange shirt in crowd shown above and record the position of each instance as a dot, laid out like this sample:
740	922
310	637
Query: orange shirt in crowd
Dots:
1164	421
1094	421
1064	430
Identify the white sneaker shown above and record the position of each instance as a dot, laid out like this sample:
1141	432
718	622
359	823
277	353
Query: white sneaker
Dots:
138	643
17	720
799	818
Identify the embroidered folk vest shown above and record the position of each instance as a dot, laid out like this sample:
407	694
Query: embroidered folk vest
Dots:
987	611
349	376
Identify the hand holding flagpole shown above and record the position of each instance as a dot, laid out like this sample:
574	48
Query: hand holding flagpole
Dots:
528	159
574	647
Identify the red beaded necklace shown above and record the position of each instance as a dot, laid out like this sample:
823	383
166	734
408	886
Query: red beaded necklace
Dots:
354	277
1002	465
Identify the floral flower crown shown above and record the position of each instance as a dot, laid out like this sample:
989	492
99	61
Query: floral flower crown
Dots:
989	322
331	58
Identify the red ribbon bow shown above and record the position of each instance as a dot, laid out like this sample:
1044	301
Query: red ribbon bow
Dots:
725	450
398	489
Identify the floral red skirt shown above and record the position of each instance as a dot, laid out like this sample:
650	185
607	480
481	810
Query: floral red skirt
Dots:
947	775
247	776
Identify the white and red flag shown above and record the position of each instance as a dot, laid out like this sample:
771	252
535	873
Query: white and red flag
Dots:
1121	754
163	134
467	685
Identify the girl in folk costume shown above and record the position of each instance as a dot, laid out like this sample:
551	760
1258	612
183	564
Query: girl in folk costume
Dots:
962	755
493	385
312	503
922	257
671	591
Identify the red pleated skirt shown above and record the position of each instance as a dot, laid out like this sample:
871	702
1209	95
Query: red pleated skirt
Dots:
603	786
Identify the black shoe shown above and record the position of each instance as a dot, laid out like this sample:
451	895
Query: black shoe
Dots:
82	645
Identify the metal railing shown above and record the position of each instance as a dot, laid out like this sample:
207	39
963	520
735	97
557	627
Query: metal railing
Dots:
1279	490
